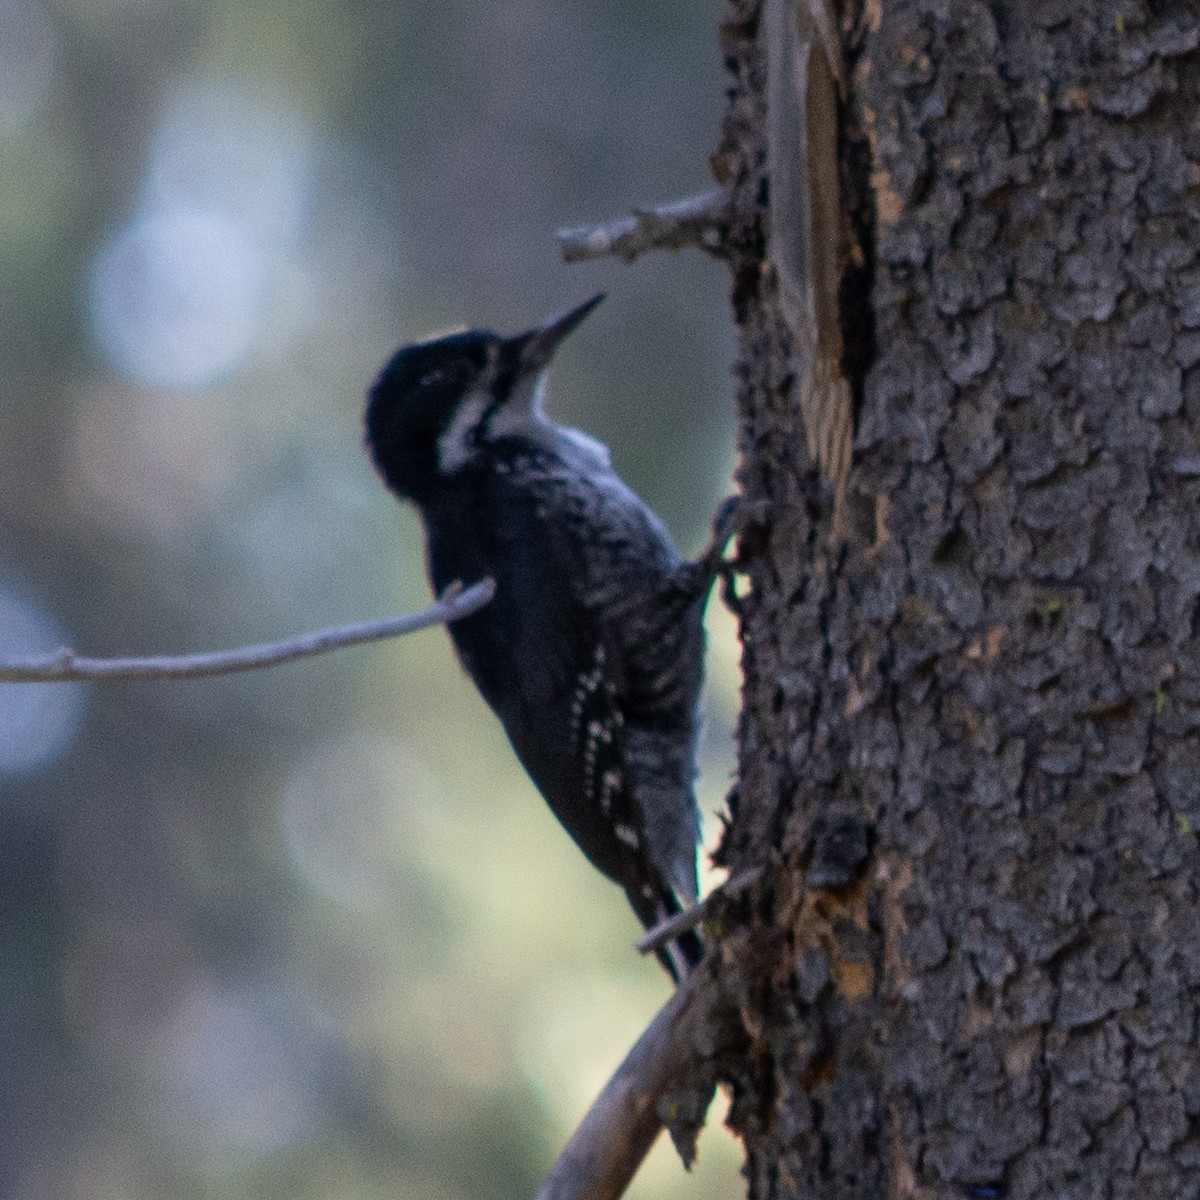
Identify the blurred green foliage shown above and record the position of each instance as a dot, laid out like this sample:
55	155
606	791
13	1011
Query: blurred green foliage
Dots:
312	932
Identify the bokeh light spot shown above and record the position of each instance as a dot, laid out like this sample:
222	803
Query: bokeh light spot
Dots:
176	297
182	295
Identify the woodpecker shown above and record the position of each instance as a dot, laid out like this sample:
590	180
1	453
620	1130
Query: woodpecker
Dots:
591	650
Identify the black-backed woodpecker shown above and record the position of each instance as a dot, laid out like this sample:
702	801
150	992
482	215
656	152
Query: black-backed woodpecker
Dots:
591	651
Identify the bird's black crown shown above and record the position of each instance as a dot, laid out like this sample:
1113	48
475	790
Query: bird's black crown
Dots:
415	400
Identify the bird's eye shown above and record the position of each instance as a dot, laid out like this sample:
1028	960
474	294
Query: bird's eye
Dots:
433	378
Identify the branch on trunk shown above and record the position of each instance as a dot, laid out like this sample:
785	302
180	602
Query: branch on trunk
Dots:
615	1136
694	221
668	929
65	666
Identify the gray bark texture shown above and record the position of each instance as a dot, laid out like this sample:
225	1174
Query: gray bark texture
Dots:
970	750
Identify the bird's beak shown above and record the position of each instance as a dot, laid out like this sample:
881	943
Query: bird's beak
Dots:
538	345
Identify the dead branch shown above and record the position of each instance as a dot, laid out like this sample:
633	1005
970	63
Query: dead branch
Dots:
671	927
618	1130
65	666
694	221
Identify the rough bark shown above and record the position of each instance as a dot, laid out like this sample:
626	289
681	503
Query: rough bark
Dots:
970	753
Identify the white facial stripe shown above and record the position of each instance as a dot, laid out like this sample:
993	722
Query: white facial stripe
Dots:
457	444
521	416
522	411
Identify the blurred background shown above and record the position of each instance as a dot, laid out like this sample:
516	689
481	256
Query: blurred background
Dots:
311	932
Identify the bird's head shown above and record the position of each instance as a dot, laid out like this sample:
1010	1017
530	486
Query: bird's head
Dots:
437	403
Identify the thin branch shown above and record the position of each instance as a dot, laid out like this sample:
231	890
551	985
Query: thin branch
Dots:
615	1136
671	927
694	221
66	666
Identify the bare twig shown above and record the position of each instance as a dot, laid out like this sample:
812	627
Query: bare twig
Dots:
694	221
66	666
615	1136
669	929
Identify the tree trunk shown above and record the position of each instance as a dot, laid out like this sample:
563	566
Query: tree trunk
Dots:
970	752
